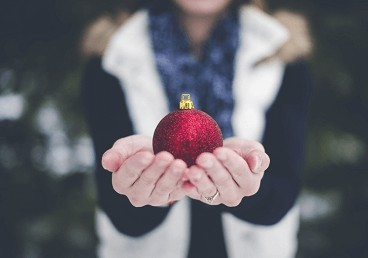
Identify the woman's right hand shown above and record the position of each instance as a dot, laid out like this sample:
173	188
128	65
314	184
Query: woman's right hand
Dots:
145	178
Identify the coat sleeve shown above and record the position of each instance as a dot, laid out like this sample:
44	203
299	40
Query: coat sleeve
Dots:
284	140
108	119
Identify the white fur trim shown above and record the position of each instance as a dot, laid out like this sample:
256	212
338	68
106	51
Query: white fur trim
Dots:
256	86
255	89
261	35
129	57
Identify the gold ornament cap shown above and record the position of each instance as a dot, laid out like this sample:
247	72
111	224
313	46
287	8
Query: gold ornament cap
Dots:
185	102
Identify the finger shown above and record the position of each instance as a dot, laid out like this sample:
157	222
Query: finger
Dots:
234	164
258	161
243	147
169	180
218	174
185	183
132	144
147	181
247	180
122	149
177	195
131	170
198	177
111	160
187	187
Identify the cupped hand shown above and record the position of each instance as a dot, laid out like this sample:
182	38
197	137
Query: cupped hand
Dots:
229	173
145	178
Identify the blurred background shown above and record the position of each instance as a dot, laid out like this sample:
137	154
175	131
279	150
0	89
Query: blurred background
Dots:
47	196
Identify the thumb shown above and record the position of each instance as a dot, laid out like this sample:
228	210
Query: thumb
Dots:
122	149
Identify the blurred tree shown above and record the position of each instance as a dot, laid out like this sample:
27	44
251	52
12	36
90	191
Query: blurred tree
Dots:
337	165
46	203
46	194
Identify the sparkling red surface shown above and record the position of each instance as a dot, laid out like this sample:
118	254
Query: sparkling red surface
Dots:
186	134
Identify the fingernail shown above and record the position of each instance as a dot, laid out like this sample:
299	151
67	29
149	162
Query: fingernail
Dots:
197	177
207	163
108	162
258	165
185	177
107	155
222	156
177	170
145	161
162	162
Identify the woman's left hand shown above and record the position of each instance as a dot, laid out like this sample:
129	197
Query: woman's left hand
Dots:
228	174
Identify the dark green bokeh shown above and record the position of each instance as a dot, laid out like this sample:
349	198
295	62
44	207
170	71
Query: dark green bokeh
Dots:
47	215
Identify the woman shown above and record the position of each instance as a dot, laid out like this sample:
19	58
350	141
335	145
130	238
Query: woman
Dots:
235	64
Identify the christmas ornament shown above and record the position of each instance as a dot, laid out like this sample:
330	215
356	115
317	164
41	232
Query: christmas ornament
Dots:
187	132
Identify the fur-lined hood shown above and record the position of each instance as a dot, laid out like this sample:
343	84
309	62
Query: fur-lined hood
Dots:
98	34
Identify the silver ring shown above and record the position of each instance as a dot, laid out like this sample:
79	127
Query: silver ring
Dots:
211	199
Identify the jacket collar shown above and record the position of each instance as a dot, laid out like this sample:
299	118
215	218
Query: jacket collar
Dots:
261	35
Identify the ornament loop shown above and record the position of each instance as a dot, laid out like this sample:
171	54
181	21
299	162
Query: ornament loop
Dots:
185	102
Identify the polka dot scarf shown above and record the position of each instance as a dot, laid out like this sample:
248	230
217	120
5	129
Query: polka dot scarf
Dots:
207	79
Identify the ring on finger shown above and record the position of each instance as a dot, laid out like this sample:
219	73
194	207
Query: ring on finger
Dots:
212	198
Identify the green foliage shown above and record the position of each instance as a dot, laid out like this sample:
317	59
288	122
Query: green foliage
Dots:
337	152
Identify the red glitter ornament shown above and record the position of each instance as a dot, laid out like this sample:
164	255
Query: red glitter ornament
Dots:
187	132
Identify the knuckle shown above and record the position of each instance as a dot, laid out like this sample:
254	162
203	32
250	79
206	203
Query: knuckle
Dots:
208	192
117	187
131	174
233	202
124	141
253	188
137	201
258	146
236	175
174	197
158	202
237	171
146	180
222	179
253	145
166	189
155	202
119	141
266	162
163	190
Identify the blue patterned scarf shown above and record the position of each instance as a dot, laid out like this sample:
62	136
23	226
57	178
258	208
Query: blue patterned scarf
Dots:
209	79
